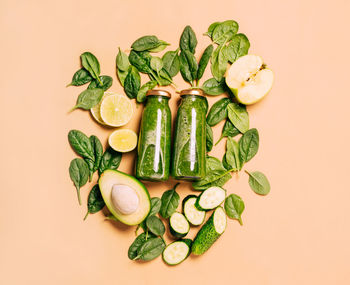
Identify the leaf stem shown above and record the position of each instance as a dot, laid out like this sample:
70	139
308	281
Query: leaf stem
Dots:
71	110
99	80
78	193
86	215
219	140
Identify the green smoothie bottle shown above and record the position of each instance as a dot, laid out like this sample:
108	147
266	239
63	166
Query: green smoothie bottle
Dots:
189	151
154	146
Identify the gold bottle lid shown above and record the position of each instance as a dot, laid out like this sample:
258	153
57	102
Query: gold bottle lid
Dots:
156	92
195	91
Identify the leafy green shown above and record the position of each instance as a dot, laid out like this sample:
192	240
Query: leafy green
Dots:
81	144
146	43
155	225
188	66
214	87
203	62
156	203
95	201
234	207
121	76
132	83
211	29
258	182
150	249
97	150
209	137
110	160
248	145
122	61
91	64
238	116
161	47
141	95
79	174
88	99
141	60
188	40
219	62
106	80
238	47
81	77
134	247
218	111
224	31
231	159
171	62
170	201
229	130
156	64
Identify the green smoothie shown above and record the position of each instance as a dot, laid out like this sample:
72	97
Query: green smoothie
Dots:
190	134
154	146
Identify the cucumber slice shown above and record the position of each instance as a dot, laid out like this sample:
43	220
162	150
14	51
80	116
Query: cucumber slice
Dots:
177	251
192	214
179	226
210	232
210	198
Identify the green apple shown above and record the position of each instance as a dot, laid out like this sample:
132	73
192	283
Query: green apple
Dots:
249	79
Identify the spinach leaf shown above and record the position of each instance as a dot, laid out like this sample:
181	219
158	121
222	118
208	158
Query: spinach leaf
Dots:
258	183
218	112
171	62
156	203
134	247
95	201
219	62
122	61
203	62
79	173
81	144
209	137
238	116
238	47
97	150
141	60
146	43
88	99
106	80
121	76
155	225
229	130
188	40
91	64
156	64
162	46
170	201
141	95
234	207
232	158
214	87
224	31
248	145
110	160
151	249
188	66
132	83
81	77
211	29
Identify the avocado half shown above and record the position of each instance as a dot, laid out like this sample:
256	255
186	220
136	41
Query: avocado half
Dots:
111	177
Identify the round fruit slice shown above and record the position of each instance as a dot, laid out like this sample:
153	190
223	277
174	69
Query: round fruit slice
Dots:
249	79
123	140
116	110
95	111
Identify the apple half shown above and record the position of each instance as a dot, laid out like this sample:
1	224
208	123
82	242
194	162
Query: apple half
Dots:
249	79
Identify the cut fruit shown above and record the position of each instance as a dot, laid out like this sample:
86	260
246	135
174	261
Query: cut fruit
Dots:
179	226
192	214
210	198
95	111
249	79
116	110
123	140
177	251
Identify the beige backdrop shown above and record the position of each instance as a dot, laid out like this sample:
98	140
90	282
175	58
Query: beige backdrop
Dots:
298	234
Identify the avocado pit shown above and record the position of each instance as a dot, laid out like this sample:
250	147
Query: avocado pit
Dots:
124	199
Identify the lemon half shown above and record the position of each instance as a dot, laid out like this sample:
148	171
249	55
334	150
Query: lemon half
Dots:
123	140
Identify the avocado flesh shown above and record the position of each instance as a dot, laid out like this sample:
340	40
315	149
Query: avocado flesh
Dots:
111	177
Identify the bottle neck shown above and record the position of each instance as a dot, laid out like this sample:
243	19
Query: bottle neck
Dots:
157	99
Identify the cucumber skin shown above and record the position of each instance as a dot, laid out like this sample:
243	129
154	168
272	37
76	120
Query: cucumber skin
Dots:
205	238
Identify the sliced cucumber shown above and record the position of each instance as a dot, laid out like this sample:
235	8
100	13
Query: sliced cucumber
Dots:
177	251
192	214
210	232
210	198
179	226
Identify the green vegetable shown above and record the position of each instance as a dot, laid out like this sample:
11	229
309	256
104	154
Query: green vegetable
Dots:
155	225
238	116
146	43
170	201
188	66
156	64
210	198
203	62
81	144
178	225
218	111
214	87
81	77
229	130
79	174
106	80
141	95
234	207
132	83
177	251
121	76
141	60
161	47
238	47
209	137
171	62
219	62
211	29
224	31
95	201
91	64
156	203
97	150
88	99
122	61
150	249
192	214
135	246
232	159
248	145
188	40
258	182
110	160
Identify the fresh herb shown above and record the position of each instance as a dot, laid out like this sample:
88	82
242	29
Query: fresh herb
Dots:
203	62
88	99
106	80
218	112
214	87
97	150
238	116
161	47
141	60
248	145
95	201
229	130
121	76
224	31
91	64
170	201
188	66
122	61
258	182
110	160
156	203
211	29
81	144
171	62
134	247
234	207
141	95
156	64
231	158
188	40
238	47
147	43
209	137
150	249
81	77
132	83
155	225
219	62
79	174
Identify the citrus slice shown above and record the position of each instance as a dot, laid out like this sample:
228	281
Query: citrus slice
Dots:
123	140
95	111
116	110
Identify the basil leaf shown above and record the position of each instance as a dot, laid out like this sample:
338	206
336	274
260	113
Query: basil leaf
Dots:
248	145
132	83
141	95
122	61
141	60
238	116
121	76
229	130
81	144
134	247
146	43
209	137
81	77
234	207
232	158
151	249
188	40
171	62
156	203
218	112
155	225
211	29
91	64
238	47
79	173
219	62
214	87
106	80
97	150
224	31
95	201
203	62
188	66
88	99
110	160
258	183
156	64
162	46
170	202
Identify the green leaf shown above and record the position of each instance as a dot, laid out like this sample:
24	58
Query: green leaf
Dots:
134	247
234	207
232	158
219	62
81	77
171	62
203	62
95	201
238	47
161	47
91	64
141	60
209	137
238	116
121	76
214	87
258	183
188	66
155	225
156	203
224	31
151	249
218	112
132	83
122	61
156	64
248	145
81	144
110	160
188	40
106	80
211	29
170	202
141	95
97	150
79	174
146	43
88	99
229	130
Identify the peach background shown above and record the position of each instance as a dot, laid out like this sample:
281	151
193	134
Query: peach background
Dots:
298	234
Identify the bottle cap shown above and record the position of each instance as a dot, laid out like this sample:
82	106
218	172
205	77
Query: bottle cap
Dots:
195	91
156	92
